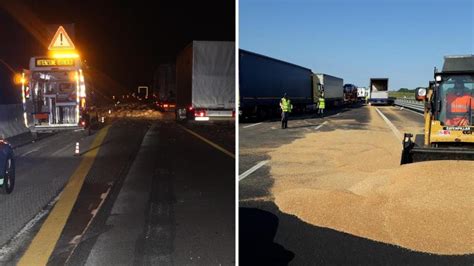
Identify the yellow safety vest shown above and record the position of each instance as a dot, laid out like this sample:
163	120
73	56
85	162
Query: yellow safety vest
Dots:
322	103
285	105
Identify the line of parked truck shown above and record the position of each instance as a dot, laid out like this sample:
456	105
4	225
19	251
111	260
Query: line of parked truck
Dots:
200	86
264	80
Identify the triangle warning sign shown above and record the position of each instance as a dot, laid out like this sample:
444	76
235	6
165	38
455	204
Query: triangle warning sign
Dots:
61	41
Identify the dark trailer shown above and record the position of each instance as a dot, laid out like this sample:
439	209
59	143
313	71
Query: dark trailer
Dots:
264	80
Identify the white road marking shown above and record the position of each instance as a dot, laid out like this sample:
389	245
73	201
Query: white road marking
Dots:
251	170
256	124
390	125
15	243
28	152
75	241
318	127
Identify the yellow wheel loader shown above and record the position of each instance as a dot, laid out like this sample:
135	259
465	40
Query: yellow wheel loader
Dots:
449	115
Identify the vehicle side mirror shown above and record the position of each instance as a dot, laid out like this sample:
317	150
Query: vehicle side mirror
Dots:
420	94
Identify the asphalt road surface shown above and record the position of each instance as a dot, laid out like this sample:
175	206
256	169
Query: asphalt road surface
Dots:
268	236
154	193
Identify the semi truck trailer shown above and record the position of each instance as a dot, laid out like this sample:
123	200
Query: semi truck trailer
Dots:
205	81
164	87
379	91
264	80
330	87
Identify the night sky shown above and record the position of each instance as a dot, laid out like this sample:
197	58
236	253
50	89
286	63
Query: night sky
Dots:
125	40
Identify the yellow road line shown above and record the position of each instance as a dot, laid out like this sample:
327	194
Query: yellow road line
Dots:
208	141
45	240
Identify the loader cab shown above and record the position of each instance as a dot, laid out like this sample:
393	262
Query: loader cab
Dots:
453	99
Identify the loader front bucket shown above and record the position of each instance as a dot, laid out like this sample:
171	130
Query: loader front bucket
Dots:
418	154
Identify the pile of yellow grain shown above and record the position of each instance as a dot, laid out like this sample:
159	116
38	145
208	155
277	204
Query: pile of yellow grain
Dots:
351	181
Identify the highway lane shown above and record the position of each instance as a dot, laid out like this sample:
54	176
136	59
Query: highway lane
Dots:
42	169
169	194
155	193
176	206
258	138
269	235
257	141
405	120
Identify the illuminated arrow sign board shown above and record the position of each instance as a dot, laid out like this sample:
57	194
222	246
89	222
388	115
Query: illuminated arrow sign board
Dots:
54	62
61	41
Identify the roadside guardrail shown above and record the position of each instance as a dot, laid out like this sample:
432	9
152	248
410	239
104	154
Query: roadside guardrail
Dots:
411	104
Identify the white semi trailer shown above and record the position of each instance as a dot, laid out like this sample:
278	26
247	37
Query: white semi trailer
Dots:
205	81
379	91
332	88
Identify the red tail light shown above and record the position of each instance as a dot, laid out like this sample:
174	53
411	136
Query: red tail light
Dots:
83	123
27	92
199	113
190	108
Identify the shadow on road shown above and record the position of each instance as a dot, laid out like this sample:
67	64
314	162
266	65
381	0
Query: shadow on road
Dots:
267	235
257	231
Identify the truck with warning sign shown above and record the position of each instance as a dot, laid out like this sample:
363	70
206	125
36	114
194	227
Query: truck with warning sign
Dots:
54	90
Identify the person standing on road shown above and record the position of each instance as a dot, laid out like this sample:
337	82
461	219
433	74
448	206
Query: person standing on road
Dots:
286	107
321	105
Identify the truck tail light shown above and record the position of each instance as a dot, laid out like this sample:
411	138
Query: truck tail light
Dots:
199	113
27	92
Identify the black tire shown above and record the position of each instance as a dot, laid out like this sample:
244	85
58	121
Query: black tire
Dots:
9	176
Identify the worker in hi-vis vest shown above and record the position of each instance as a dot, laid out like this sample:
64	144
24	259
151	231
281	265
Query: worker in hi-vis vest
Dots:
286	107
321	105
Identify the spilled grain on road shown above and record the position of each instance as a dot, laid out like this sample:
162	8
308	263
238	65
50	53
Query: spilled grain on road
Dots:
351	181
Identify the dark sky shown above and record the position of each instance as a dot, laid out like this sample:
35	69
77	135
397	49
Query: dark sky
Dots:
124	39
